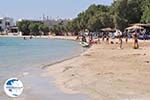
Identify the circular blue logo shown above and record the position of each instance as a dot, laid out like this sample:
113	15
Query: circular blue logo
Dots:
13	87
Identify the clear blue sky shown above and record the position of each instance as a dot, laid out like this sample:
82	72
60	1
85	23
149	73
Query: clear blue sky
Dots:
34	9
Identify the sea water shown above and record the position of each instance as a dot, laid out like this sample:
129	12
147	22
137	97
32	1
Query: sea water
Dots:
20	57
23	53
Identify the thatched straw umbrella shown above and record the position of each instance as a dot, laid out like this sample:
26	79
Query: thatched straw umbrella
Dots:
108	29
106	33
140	24
134	27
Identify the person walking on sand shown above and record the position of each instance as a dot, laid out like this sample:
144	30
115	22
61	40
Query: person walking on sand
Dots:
107	39
118	34
78	37
126	39
103	36
126	36
90	38
99	41
120	42
135	40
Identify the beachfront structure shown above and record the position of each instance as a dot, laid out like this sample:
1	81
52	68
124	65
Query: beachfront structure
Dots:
6	23
30	20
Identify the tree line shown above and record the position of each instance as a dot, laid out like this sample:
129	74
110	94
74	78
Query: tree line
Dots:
33	28
118	15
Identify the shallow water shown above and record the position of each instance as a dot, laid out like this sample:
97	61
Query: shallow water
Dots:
24	58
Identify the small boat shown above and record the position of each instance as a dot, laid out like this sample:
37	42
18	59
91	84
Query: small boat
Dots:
84	44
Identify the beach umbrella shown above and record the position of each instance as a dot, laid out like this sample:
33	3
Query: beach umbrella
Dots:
137	24
134	27
140	24
107	30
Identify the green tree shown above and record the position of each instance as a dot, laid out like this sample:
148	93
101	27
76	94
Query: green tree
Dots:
146	11
134	11
94	18
34	28
44	28
119	15
126	12
55	29
118	10
73	26
24	27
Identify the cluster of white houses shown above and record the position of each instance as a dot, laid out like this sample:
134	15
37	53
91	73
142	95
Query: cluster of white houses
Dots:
8	26
6	23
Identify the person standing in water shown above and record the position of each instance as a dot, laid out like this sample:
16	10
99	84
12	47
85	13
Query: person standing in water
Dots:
118	34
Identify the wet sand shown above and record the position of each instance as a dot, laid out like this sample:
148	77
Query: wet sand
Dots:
105	72
39	87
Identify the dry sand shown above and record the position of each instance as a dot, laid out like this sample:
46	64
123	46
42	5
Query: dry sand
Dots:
105	72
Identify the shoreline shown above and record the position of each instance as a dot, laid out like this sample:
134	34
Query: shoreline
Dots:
61	61
45	37
49	66
104	71
63	37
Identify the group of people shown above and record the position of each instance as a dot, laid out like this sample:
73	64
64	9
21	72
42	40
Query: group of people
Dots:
105	36
25	38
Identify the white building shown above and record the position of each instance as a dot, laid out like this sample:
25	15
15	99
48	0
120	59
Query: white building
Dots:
6	23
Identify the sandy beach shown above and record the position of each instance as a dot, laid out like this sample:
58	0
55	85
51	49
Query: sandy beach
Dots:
105	72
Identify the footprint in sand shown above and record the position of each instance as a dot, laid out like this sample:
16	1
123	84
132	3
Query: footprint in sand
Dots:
147	62
67	68
87	55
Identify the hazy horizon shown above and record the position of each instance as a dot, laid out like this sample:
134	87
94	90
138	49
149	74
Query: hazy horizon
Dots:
33	9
